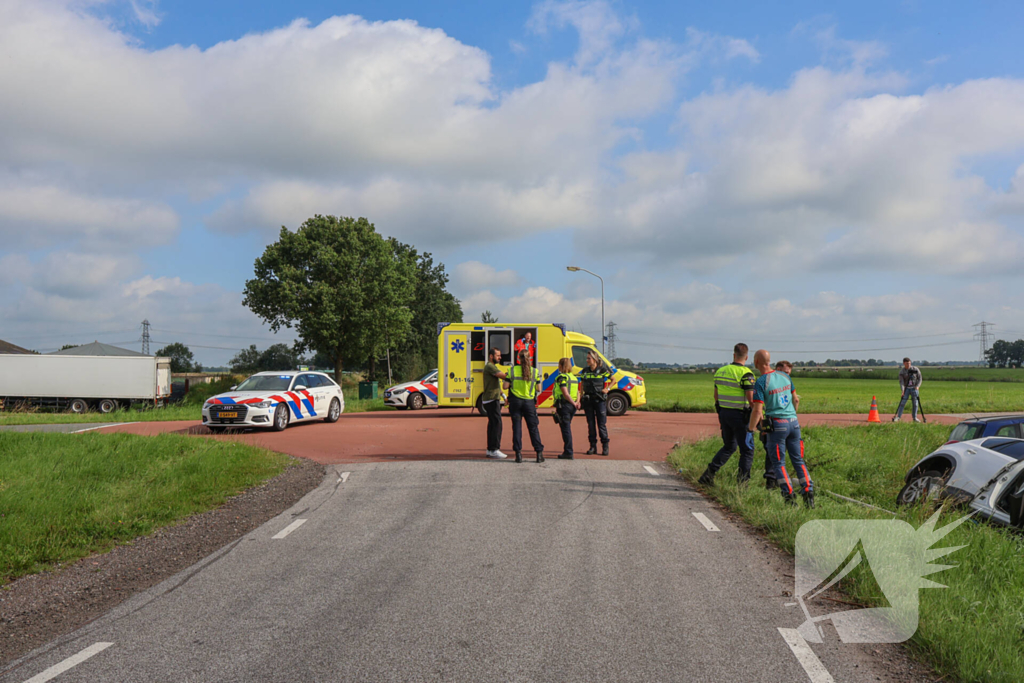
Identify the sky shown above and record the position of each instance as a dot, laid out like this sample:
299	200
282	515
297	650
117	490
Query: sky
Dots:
838	184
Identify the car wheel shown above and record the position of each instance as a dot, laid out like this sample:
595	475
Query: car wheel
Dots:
79	405
415	401
281	418
618	404
920	488
334	412
108	405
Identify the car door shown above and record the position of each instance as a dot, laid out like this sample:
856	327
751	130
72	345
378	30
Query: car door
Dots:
307	398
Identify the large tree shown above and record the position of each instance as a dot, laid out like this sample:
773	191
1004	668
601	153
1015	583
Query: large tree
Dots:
339	284
432	303
181	357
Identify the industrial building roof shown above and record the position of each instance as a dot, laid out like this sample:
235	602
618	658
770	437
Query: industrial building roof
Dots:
7	347
97	349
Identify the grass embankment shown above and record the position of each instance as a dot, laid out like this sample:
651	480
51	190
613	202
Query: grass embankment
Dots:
65	496
692	393
974	629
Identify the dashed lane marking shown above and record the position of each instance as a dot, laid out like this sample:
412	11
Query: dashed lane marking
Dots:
651	471
815	670
290	528
74	660
703	519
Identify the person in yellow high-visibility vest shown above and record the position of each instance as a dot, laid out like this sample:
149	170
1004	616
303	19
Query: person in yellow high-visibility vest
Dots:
734	391
522	404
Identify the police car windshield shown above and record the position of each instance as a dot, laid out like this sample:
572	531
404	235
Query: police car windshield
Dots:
266	383
428	375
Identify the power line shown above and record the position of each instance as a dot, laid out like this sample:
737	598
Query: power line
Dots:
795	341
145	337
983	336
891	348
611	339
211	334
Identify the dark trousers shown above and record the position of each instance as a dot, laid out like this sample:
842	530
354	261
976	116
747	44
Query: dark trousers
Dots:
786	439
769	461
565	412
520	409
493	410
597	420
734	434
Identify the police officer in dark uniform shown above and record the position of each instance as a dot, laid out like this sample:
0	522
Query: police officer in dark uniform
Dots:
596	380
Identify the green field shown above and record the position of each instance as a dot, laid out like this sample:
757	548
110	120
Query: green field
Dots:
65	496
972	630
693	393
931	374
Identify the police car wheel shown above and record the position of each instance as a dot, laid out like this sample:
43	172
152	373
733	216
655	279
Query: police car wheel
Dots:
334	412
281	418
415	401
618	404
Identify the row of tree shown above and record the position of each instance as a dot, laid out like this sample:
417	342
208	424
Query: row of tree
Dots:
1005	354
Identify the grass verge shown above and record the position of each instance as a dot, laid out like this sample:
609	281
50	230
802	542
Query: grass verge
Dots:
66	496
974	629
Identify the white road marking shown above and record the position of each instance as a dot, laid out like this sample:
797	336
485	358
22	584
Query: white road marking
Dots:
74	660
651	471
815	670
103	426
703	519
344	477
290	528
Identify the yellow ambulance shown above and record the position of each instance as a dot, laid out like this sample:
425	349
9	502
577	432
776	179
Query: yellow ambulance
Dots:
462	352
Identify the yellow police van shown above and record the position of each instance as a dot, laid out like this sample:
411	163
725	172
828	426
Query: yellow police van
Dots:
462	352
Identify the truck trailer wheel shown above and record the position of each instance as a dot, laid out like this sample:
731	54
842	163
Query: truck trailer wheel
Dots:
108	405
79	405
618	403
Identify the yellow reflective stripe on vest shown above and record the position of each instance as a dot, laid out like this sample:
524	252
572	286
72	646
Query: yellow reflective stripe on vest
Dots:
522	388
730	388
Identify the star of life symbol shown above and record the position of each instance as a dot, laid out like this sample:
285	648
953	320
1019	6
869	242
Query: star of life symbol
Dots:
784	400
458	346
897	555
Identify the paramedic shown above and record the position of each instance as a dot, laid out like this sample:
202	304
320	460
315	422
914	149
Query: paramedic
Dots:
734	390
596	381
522	404
773	397
526	343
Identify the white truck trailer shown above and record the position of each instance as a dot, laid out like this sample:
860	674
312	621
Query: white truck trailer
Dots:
82	383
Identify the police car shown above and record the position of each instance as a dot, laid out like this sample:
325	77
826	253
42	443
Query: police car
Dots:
413	395
274	400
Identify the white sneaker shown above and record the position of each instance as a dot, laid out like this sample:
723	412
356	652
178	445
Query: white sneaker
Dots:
497	454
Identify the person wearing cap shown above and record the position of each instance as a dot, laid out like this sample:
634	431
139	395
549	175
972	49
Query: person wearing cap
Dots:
773	398
734	390
910	385
522	405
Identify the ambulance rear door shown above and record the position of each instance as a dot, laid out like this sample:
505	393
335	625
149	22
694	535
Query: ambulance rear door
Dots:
456	377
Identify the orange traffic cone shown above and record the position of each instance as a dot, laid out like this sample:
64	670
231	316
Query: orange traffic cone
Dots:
873	413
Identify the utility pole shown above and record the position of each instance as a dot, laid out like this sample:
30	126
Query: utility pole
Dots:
984	336
611	339
145	337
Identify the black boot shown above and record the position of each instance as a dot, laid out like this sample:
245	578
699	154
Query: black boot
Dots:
771	484
707	479
519	456
809	499
592	450
789	498
540	456
604	449
565	456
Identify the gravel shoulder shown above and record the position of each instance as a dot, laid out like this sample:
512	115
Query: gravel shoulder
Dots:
38	608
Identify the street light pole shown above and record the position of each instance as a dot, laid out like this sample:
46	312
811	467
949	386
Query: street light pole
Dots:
574	269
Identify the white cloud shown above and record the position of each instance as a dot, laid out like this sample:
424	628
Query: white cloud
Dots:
470	276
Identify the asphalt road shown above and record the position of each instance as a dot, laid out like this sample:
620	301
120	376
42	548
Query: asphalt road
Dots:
468	571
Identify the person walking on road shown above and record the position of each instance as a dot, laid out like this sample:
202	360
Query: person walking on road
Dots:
522	404
491	401
596	381
910	386
567	402
773	398
734	391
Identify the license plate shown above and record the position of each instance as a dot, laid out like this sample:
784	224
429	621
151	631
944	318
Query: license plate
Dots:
223	415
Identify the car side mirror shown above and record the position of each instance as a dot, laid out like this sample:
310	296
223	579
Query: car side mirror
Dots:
233	387
300	387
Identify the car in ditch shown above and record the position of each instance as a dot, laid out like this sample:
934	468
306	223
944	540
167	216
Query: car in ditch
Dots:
413	395
990	425
1001	500
273	400
957	471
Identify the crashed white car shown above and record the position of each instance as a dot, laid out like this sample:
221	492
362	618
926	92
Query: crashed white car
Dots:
1001	500
274	400
957	472
413	395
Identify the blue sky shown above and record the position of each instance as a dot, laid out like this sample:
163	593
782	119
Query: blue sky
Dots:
807	181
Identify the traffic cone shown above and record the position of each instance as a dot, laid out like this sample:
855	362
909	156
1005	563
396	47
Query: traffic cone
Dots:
873	413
